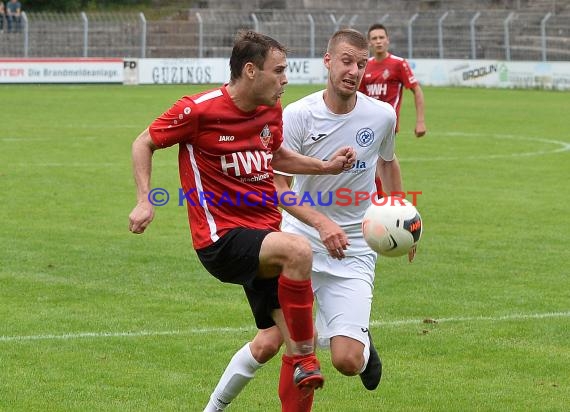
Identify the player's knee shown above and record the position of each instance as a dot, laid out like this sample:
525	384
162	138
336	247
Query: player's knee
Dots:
301	254
268	351
348	363
266	346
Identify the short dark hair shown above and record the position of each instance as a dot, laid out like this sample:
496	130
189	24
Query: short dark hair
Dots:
377	26
350	36
250	46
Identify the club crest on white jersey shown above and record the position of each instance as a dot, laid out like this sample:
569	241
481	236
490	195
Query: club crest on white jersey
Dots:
364	137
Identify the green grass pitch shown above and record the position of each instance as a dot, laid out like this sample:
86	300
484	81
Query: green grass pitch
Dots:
94	318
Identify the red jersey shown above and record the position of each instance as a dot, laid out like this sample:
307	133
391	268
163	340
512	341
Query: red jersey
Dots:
224	161
383	80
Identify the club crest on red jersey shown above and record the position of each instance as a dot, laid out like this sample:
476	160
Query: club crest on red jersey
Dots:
265	136
386	74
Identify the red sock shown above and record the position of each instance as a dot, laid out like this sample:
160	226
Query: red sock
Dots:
292	398
296	300
379	191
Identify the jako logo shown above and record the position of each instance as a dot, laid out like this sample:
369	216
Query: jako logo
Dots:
227	138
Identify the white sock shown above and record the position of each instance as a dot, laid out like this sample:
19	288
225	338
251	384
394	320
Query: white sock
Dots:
238	373
366	354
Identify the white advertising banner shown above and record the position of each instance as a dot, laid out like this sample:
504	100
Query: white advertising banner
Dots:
306	71
492	73
430	72
61	70
183	71
214	70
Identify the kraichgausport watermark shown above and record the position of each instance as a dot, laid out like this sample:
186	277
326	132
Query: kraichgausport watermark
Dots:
339	197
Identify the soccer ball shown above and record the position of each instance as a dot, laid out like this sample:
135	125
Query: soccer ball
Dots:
392	226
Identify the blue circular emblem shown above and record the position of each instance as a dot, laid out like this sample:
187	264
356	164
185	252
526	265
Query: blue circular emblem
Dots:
365	137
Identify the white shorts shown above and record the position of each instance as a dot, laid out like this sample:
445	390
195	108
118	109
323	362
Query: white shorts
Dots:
343	294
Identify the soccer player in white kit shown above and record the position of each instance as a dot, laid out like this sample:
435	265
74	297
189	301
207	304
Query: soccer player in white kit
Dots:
328	210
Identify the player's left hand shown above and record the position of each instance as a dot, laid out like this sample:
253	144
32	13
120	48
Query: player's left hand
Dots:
420	129
333	237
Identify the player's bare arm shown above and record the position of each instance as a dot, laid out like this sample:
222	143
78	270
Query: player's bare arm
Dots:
289	161
142	151
389	172
332	235
420	129
391	177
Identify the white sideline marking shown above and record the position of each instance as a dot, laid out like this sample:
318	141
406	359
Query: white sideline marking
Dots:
564	147
142	333
475	318
83	335
73	164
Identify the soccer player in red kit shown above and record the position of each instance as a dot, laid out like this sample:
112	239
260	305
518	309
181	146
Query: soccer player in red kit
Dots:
385	78
229	141
387	75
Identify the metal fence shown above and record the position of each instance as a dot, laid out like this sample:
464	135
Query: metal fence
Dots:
484	34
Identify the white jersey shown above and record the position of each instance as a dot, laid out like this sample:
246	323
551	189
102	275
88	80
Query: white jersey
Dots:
311	129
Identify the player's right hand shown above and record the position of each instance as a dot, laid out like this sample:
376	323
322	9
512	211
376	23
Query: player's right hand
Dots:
140	217
343	159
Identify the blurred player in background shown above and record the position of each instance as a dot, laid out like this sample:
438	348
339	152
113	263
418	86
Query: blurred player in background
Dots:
387	75
385	78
